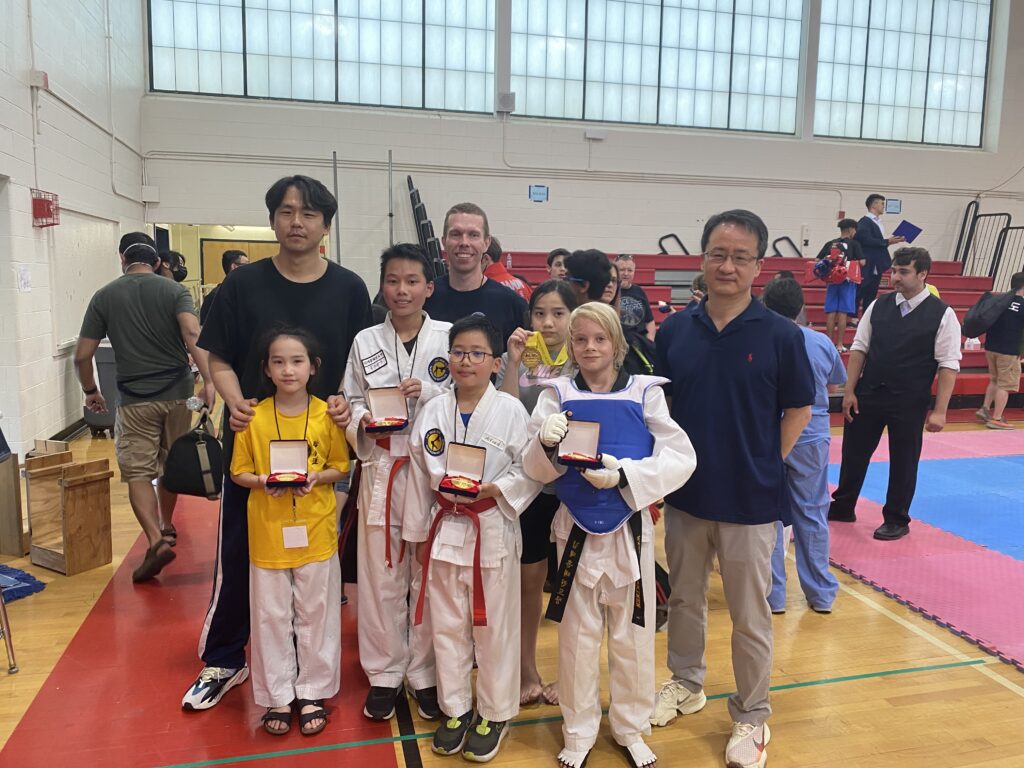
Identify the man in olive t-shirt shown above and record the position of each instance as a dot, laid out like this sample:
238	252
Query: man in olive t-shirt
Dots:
151	324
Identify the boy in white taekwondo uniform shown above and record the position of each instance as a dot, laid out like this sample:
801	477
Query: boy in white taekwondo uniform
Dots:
472	545
408	351
604	532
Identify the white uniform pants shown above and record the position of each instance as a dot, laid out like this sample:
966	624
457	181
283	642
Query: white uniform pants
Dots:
450	603
630	659
296	632
390	649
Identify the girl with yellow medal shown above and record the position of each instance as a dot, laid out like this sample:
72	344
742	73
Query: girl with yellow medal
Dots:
532	360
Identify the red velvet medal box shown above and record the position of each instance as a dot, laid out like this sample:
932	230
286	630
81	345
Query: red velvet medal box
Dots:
288	464
579	446
464	470
389	411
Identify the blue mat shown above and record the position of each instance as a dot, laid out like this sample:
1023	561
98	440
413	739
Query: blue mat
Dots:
981	500
17	584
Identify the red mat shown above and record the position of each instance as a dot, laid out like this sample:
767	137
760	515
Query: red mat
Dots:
973	591
114	698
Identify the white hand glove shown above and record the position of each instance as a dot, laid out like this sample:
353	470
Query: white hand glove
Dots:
608	477
553	429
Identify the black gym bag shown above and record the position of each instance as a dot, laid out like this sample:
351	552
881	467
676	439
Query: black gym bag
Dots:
195	462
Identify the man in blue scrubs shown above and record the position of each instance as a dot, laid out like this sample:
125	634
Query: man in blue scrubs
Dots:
807	467
742	388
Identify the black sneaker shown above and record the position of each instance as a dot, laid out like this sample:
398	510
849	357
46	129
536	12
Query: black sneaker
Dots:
426	703
380	702
211	685
449	738
484	740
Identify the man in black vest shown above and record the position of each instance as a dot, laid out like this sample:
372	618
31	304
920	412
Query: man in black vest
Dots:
904	338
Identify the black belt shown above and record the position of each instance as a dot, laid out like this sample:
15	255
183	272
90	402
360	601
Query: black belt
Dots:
571	561
181	370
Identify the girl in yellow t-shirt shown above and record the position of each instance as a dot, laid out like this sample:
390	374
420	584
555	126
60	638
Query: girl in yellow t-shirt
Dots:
294	574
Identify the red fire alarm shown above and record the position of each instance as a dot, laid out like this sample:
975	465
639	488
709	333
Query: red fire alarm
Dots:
45	209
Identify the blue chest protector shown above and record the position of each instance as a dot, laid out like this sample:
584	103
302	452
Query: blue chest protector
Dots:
624	435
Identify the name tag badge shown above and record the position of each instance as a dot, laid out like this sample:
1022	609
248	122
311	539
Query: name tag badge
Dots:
454	532
497	442
295	536
399	445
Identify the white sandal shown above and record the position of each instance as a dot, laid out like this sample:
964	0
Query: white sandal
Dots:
640	755
572	759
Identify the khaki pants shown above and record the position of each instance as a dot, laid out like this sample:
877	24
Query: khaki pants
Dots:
745	557
143	433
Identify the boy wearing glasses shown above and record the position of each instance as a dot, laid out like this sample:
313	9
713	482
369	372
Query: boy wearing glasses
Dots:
409	350
470	546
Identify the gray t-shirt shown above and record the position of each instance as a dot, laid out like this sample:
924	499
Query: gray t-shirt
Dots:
531	381
138	312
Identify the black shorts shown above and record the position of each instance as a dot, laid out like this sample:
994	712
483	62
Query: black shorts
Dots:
535	523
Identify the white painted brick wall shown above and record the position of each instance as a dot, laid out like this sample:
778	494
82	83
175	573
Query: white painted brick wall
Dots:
39	395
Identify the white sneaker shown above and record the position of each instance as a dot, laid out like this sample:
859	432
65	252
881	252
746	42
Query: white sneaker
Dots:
211	685
746	747
675	699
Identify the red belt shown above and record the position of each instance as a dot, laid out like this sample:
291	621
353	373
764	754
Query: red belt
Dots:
472	511
399	462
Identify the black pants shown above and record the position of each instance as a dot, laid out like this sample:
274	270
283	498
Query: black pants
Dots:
867	291
226	629
904	417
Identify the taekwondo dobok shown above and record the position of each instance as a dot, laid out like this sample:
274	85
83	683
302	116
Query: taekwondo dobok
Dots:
605	546
391	650
473	548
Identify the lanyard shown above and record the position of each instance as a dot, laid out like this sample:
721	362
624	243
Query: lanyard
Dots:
305	428
412	365
455	423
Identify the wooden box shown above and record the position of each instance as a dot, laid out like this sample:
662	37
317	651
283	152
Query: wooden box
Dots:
69	512
13	538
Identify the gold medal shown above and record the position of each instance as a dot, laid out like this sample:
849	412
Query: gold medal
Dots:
286	477
462	483
531	358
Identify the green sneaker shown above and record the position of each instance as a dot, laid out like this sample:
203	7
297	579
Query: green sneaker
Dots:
484	740
449	738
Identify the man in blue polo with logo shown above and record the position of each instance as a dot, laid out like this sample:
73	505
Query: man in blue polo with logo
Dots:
742	389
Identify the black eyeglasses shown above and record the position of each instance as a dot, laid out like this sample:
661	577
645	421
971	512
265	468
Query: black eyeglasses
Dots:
475	355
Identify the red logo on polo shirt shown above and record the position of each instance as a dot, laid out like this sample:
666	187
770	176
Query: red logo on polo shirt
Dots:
750	357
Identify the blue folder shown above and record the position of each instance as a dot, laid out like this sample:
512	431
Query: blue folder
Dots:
907	230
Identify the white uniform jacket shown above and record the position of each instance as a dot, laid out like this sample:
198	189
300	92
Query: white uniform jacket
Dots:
499	425
669	466
379	359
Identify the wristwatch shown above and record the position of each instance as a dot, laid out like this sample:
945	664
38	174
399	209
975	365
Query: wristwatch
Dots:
88	392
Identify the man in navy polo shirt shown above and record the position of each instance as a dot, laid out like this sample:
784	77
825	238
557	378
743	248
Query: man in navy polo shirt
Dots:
742	388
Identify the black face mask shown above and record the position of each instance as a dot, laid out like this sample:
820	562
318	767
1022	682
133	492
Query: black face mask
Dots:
177	269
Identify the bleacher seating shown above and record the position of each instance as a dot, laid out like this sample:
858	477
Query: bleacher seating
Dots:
658	274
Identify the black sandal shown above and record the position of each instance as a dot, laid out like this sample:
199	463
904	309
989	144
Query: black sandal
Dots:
317	714
170	535
277	717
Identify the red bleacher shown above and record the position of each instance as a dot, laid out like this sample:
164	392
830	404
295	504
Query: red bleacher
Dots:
959	291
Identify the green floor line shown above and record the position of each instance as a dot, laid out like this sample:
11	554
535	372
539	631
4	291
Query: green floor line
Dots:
557	719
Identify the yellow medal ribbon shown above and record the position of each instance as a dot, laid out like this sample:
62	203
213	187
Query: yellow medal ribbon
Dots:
536	342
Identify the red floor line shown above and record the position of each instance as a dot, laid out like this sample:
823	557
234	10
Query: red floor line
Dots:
113	699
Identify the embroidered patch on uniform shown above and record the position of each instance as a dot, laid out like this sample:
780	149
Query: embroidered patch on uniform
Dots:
374	362
433	442
497	442
438	369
